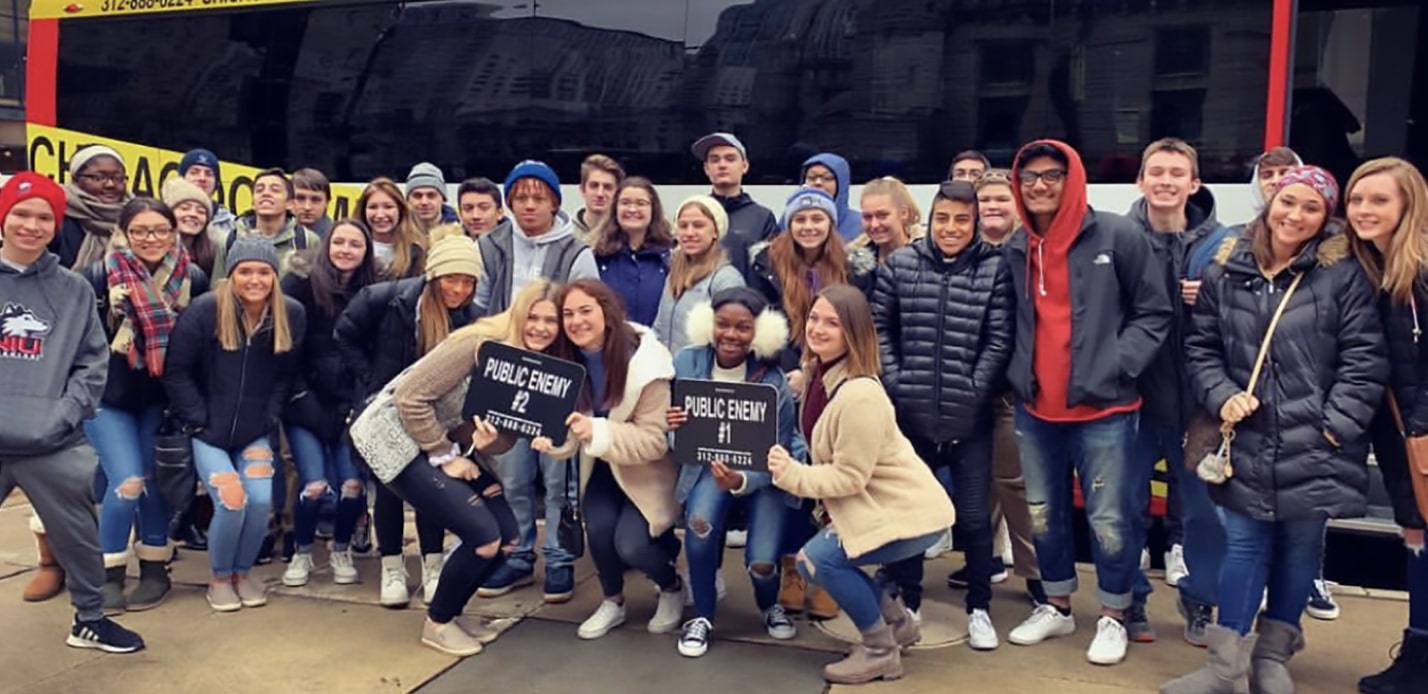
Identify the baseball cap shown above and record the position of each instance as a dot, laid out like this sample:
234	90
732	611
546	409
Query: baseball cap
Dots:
704	144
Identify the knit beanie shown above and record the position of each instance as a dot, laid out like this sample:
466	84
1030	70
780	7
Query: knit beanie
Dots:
426	175
199	157
28	184
176	190
750	299
1320	180
453	255
250	248
809	199
538	170
84	156
712	208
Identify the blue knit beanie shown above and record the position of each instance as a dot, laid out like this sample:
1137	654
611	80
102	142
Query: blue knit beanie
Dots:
199	157
538	170
809	199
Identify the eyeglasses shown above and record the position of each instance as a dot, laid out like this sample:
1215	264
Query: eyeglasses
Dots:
1050	176
637	204
151	233
117	179
819	179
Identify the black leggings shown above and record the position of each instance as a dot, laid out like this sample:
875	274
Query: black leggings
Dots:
389	520
619	536
477	512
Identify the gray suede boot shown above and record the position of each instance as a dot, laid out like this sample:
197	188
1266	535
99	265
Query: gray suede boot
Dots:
1228	669
905	631
877	657
1278	642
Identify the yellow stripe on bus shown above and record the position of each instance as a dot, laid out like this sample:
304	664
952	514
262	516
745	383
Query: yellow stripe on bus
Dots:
73	9
50	150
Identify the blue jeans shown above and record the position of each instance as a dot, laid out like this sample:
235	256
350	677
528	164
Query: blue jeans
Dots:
518	468
1418	591
125	443
1283	555
706	512
318	462
823	562
1098	452
1203	537
241	485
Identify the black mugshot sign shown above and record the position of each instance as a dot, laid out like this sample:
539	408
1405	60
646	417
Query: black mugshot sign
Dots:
733	422
526	393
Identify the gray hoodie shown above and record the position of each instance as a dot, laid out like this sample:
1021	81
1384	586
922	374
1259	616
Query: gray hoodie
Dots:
54	358
1257	194
510	260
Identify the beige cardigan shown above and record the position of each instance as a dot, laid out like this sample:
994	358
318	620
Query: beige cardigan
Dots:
872	483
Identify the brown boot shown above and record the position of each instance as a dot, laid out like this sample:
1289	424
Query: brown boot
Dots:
876	658
821	605
905	631
792	590
48	580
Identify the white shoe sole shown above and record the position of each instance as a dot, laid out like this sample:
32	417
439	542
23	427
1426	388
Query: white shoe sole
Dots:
230	607
1325	615
344	580
394	603
790	635
1105	661
693	652
1030	642
655	628
592	635
75	642
294	582
451	651
985	646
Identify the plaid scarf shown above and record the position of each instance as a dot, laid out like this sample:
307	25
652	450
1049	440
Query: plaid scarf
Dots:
150	300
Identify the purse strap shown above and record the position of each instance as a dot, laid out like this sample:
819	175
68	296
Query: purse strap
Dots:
1269	334
570	466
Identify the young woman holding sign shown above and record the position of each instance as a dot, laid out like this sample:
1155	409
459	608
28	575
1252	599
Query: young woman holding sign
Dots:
385	328
414	439
862	466
627	479
735	338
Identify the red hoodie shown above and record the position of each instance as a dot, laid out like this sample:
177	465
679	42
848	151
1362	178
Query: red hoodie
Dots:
1049	275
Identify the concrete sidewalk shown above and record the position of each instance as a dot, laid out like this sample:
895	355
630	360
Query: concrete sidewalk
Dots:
327	638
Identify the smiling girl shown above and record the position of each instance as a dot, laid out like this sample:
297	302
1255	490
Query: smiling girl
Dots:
700	267
397	243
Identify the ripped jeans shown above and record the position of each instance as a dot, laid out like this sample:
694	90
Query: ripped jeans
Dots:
314	458
1099	453
707	513
124	441
823	562
241	484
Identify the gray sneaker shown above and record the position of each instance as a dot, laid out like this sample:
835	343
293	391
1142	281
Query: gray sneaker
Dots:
251	592
449	638
1138	627
222	597
1198	618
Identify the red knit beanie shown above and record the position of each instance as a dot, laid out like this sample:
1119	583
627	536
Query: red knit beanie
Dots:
28	184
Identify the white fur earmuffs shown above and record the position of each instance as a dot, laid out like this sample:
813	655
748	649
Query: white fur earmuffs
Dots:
770	330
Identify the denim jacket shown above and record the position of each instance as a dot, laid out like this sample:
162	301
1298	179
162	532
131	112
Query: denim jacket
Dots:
698	362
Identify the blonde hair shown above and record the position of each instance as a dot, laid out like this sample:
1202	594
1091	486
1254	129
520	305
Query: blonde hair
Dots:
407	233
901	196
433	318
508	326
684	271
1407	256
229	329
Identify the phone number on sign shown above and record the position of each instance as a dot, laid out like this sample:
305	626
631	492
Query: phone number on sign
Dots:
519	426
706	455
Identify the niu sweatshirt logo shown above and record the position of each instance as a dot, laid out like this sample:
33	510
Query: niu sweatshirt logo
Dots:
22	333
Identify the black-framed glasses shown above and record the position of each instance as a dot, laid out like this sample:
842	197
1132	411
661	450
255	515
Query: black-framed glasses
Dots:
1050	176
117	179
152	233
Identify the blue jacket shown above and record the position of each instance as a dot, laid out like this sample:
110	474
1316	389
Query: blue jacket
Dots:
638	277
698	362
850	221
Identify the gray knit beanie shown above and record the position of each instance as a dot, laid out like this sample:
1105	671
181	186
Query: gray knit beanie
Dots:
250	248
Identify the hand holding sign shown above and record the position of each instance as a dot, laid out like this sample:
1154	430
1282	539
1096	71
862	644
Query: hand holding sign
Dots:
582	427
779	460
526	393
675	417
733	423
485	433
727	480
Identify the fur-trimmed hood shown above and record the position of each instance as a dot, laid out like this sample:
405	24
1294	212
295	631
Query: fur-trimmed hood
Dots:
1330	247
770	330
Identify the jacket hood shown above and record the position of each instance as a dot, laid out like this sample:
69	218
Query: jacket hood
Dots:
737	202
248	224
1070	214
770	330
850	224
1256	193
1328	248
564	228
1199	212
46	263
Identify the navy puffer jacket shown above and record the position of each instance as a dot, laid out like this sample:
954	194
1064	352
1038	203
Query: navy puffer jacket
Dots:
945	336
1324	378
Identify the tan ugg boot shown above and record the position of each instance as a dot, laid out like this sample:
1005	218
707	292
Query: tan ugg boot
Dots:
877	657
48	580
1228	669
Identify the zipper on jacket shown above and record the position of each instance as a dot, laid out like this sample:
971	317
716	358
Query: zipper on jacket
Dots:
941	335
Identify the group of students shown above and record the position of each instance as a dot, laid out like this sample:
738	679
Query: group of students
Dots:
1016	344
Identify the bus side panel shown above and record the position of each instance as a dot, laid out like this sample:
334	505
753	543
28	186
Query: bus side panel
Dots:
41	70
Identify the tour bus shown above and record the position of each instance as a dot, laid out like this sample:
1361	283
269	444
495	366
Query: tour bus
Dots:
366	88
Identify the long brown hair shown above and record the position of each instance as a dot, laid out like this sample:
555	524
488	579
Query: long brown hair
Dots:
1407	256
619	347
855	317
831	267
229	330
405	263
608	238
686	271
433	318
1261	238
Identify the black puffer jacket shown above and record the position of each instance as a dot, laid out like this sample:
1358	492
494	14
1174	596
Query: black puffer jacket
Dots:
945	335
861	266
131	389
377	333
232	398
1408	355
326	376
1323	377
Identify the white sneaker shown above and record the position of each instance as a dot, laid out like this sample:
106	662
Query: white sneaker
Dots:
430	575
721	590
607	616
981	635
916	616
694	642
1109	646
299	570
394	582
943	546
1145	560
1045	622
1175	569
668	614
736	538
344	572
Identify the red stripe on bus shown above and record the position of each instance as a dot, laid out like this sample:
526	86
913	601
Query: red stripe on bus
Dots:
1280	43
41	72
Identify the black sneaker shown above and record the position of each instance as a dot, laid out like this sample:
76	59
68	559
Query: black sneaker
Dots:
104	634
958	579
289	547
1198	618
1035	592
1138	627
265	551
